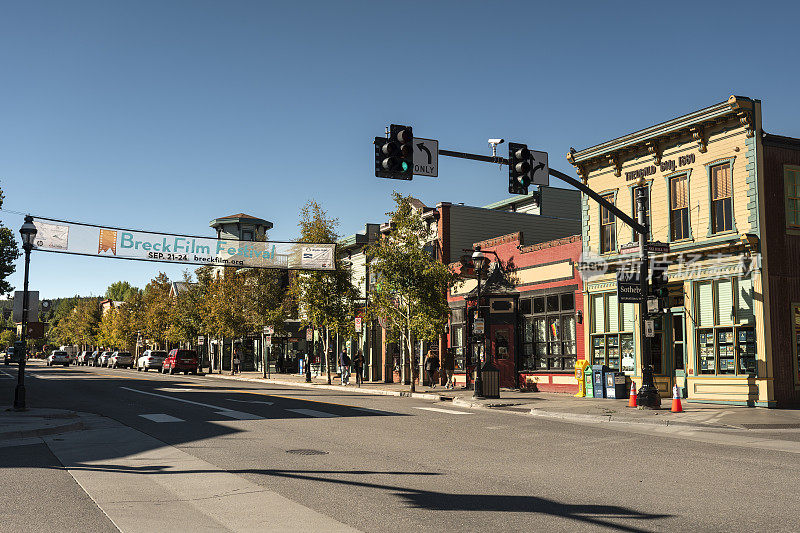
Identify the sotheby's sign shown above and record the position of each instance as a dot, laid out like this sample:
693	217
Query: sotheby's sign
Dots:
84	239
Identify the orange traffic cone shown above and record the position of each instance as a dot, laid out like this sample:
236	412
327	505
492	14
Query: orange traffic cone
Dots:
676	401
632	400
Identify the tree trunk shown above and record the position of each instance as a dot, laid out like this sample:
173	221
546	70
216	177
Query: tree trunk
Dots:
325	346
232	348
411	359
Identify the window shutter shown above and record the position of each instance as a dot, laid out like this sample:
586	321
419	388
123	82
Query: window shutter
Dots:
720	183
725	302
744	303
613	313
705	304
627	317
598	319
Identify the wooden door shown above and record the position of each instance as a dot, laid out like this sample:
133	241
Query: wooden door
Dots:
503	357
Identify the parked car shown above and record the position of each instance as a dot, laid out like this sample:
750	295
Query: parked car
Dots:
180	361
151	359
102	359
91	359
82	358
121	359
58	357
9	356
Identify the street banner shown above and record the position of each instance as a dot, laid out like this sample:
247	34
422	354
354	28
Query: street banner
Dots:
103	241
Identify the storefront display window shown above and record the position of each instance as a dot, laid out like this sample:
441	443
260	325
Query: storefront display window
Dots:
612	333
548	340
726	342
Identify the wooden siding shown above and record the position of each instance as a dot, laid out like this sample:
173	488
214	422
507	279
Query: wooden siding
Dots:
782	256
469	225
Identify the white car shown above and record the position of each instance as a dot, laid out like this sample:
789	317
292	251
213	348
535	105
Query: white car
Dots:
120	359
151	359
102	359
58	357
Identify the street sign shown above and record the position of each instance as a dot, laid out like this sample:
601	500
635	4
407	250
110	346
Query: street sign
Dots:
426	157
309	334
630	248
201	340
383	323
33	306
657	247
268	340
358	323
540	170
478	326
629	289
649	329
269	330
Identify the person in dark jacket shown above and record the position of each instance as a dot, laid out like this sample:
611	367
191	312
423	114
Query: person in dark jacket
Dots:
358	366
431	366
344	365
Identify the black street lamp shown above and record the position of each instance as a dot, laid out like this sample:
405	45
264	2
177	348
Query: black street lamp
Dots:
28	233
478	260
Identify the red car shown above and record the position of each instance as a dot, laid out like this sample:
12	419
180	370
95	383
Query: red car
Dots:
180	361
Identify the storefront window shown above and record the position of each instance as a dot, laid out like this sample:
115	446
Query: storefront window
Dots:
726	342
548	341
612	333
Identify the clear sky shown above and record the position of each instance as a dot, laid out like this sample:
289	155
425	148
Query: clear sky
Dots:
165	114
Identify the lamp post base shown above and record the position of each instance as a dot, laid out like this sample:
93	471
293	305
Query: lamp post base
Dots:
648	396
478	388
19	398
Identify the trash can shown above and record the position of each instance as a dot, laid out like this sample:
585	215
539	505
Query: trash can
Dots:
490	375
615	385
598	376
587	377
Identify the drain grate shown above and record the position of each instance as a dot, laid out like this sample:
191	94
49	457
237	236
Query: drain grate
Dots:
307	452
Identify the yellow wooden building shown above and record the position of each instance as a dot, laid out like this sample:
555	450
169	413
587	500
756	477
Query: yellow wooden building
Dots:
706	201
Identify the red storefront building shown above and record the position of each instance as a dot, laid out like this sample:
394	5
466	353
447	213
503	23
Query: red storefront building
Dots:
532	305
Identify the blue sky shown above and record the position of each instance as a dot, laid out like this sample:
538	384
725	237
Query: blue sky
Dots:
163	115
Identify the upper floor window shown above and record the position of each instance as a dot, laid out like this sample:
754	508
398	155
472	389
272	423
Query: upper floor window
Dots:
793	197
721	202
678	208
608	227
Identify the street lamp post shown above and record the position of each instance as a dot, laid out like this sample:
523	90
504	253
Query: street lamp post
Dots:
478	260
28	233
648	396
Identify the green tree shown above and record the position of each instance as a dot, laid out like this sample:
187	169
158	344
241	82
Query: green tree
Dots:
411	291
325	299
120	291
8	254
156	311
226	305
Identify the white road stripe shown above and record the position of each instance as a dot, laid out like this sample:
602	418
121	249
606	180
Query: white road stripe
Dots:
239	415
313	413
6	374
258	402
161	417
448	411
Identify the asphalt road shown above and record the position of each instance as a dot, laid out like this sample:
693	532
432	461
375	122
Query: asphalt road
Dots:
380	463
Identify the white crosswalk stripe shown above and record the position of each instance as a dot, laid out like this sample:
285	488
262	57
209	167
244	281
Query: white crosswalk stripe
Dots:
448	411
161	417
313	413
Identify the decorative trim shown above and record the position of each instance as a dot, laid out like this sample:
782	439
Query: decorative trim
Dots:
667	178
699	135
614	161
655	150
502	239
721	161
745	115
550	244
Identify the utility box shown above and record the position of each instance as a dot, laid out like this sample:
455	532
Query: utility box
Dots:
615	385
598	377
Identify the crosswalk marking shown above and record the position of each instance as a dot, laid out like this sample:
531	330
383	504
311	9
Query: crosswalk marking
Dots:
161	417
313	413
219	410
257	402
448	411
239	415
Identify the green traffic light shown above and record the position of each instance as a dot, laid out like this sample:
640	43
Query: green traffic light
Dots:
404	165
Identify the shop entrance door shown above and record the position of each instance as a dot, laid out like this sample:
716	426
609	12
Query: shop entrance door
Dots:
502	338
677	344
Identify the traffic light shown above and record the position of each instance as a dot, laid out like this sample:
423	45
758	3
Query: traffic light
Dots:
659	282
394	157
519	168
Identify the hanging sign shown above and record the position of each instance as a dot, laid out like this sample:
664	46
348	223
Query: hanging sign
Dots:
201	340
358	323
309	334
99	241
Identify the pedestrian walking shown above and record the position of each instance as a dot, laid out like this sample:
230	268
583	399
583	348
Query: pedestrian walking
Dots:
358	366
431	366
344	365
236	361
449	367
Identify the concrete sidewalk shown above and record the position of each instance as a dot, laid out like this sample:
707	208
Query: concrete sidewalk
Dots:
37	423
562	406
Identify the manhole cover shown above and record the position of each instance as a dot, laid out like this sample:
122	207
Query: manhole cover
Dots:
307	452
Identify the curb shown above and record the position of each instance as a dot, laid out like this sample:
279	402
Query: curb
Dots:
42	432
325	386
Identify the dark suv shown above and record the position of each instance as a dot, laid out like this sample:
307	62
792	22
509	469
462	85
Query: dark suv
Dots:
180	361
